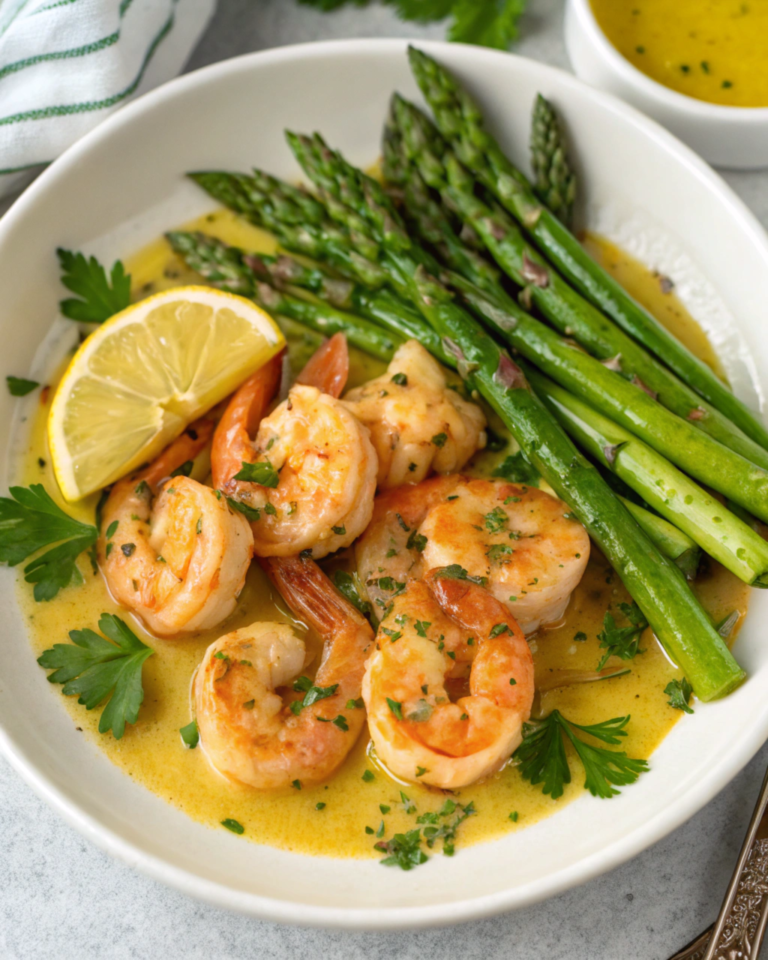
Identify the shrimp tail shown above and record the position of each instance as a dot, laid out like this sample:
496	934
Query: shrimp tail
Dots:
328	368
468	603
311	595
232	439
184	448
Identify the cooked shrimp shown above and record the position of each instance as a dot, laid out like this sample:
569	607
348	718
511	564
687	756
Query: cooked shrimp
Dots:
250	725
418	733
314	460
418	424
171	551
521	541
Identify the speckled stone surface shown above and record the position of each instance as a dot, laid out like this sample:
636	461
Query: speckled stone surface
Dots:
61	897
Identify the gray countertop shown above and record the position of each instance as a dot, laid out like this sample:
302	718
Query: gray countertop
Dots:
60	896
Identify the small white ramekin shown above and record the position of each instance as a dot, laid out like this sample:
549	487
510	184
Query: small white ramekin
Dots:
734	137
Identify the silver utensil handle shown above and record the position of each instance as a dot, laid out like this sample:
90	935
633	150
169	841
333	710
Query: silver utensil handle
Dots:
738	932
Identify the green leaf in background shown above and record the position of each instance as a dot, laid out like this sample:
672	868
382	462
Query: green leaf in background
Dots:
487	23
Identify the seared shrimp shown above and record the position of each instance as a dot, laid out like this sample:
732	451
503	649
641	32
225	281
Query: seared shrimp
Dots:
521	541
251	728
311	469
418	424
171	551
418	733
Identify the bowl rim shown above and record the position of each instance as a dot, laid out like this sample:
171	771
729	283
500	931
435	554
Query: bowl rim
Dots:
374	918
661	94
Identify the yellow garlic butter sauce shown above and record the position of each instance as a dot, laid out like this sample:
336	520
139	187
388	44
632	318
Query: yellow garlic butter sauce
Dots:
152	754
714	50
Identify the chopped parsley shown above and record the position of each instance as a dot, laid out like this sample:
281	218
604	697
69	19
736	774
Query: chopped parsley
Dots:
622	642
252	514
455	571
190	735
311	693
99	670
416	541
542	757
440	439
348	585
496	521
234	826
19	387
679	693
261	472
403	850
517	469
184	470
498	551
339	531
400	379
396	707
421	627
368	776
580	636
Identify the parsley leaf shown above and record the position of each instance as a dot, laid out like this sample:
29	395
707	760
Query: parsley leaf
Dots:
454	571
679	693
404	850
311	693
262	473
416	541
31	521
101	297
542	756
517	469
98	670
234	826
19	387
348	585
190	735
623	642
492	23
251	514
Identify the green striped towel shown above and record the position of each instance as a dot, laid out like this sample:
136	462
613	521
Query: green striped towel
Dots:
67	64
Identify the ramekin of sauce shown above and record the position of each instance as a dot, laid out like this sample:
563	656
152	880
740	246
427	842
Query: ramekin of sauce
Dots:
699	67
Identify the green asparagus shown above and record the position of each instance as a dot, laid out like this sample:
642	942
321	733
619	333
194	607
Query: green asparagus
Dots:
542	286
663	487
555	181
656	584
461	122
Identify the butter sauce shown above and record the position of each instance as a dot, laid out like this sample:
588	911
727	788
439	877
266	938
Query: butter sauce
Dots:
331	819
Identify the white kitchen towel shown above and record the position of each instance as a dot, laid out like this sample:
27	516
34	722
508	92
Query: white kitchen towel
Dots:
67	64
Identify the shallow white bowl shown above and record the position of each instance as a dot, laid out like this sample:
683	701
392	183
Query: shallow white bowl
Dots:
117	189
734	137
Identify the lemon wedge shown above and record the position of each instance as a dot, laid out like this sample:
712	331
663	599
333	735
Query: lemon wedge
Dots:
137	382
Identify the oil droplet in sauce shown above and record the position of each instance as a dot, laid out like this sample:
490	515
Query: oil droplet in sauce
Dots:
331	819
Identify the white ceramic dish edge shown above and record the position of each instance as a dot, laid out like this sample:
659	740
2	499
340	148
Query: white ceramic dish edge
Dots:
372	918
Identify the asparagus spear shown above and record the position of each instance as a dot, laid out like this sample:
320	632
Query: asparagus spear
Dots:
555	181
688	448
298	221
542	286
656	584
461	122
673	543
663	487
227	268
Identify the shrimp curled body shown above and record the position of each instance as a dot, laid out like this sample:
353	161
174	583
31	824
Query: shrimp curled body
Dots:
418	733
320	466
417	423
521	541
170	550
248	728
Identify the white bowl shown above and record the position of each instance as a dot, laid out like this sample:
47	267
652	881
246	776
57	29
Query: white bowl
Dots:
734	137
115	190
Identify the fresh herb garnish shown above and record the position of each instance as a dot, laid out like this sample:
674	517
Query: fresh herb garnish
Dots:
311	693
622	642
31	521
101	297
421	627
97	670
517	469
184	470
455	571
496	521
190	735
234	826
251	514
368	776
440	439
400	379
261	472
416	541
19	387
498	551
348	584
339	531
396	707
542	756
403	850
679	693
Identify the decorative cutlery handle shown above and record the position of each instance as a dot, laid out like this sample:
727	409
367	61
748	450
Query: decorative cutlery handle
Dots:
738	932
